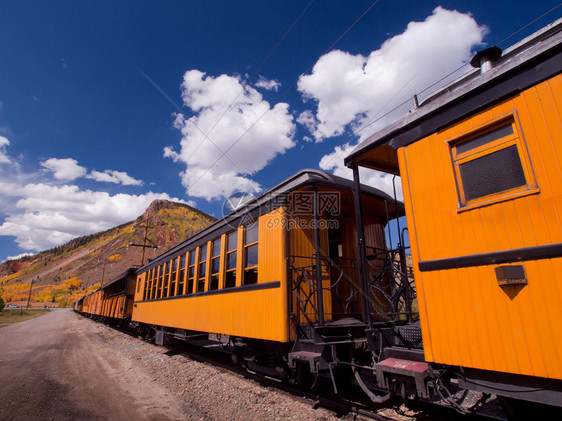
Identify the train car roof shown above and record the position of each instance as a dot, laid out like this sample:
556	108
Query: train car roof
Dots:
130	271
255	206
527	63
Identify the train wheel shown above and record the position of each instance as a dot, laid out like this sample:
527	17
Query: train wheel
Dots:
148	333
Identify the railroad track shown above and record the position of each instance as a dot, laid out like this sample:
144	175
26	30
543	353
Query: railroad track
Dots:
345	404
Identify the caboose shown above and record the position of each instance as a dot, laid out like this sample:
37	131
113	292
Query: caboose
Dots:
480	163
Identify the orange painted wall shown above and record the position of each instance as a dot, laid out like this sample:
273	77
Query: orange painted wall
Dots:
467	318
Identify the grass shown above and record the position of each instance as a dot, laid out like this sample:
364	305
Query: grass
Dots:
19	315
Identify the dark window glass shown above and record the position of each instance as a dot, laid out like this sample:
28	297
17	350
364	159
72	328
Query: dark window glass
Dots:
252	233
191	271
231	261
230	281
232	242
214	282
250	276
202	269
485	138
192	258
201	285
252	256
215	265
181	282
166	281
181	274
493	173
159	287
216	247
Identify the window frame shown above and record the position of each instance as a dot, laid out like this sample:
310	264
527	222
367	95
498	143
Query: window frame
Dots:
228	254
214	277
245	255
499	144
182	266
202	267
172	292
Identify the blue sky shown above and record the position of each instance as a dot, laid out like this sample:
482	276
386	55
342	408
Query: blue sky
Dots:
106	106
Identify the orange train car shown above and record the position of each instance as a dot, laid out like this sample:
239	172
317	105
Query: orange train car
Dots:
480	165
113	302
253	276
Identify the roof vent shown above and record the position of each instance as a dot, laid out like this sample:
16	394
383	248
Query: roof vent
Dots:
486	59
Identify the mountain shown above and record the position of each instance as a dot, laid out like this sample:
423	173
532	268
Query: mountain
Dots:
82	263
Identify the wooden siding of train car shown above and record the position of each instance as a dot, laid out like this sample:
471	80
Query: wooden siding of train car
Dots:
86	305
254	313
120	306
114	307
92	303
97	298
467	318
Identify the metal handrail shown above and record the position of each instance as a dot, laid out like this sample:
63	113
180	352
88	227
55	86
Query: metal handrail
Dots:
390	293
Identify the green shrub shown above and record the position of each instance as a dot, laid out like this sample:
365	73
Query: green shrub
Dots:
1	304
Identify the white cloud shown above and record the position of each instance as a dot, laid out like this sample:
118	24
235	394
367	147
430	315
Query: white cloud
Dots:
352	89
17	257
48	216
3	154
245	135
334	162
116	177
268	84
66	169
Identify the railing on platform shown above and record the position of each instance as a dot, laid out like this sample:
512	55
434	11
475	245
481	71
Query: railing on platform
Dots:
391	291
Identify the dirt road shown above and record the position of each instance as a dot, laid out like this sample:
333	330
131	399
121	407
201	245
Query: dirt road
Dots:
63	366
56	367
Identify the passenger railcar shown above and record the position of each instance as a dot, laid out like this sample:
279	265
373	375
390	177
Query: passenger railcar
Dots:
112	302
480	164
252	276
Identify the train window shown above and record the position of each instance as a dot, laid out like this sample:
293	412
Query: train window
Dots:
146	285
335	243
157	280
150	286
181	274
491	164
251	254
163	289
215	265
165	281
202	269
191	273
173	277
231	255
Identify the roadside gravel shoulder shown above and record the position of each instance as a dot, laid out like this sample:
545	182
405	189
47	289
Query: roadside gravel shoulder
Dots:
206	392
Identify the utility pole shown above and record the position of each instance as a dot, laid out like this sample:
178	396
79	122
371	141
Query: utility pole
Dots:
146	239
29	296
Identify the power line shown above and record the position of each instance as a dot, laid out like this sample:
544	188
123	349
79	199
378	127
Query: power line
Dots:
264	61
371	122
284	93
